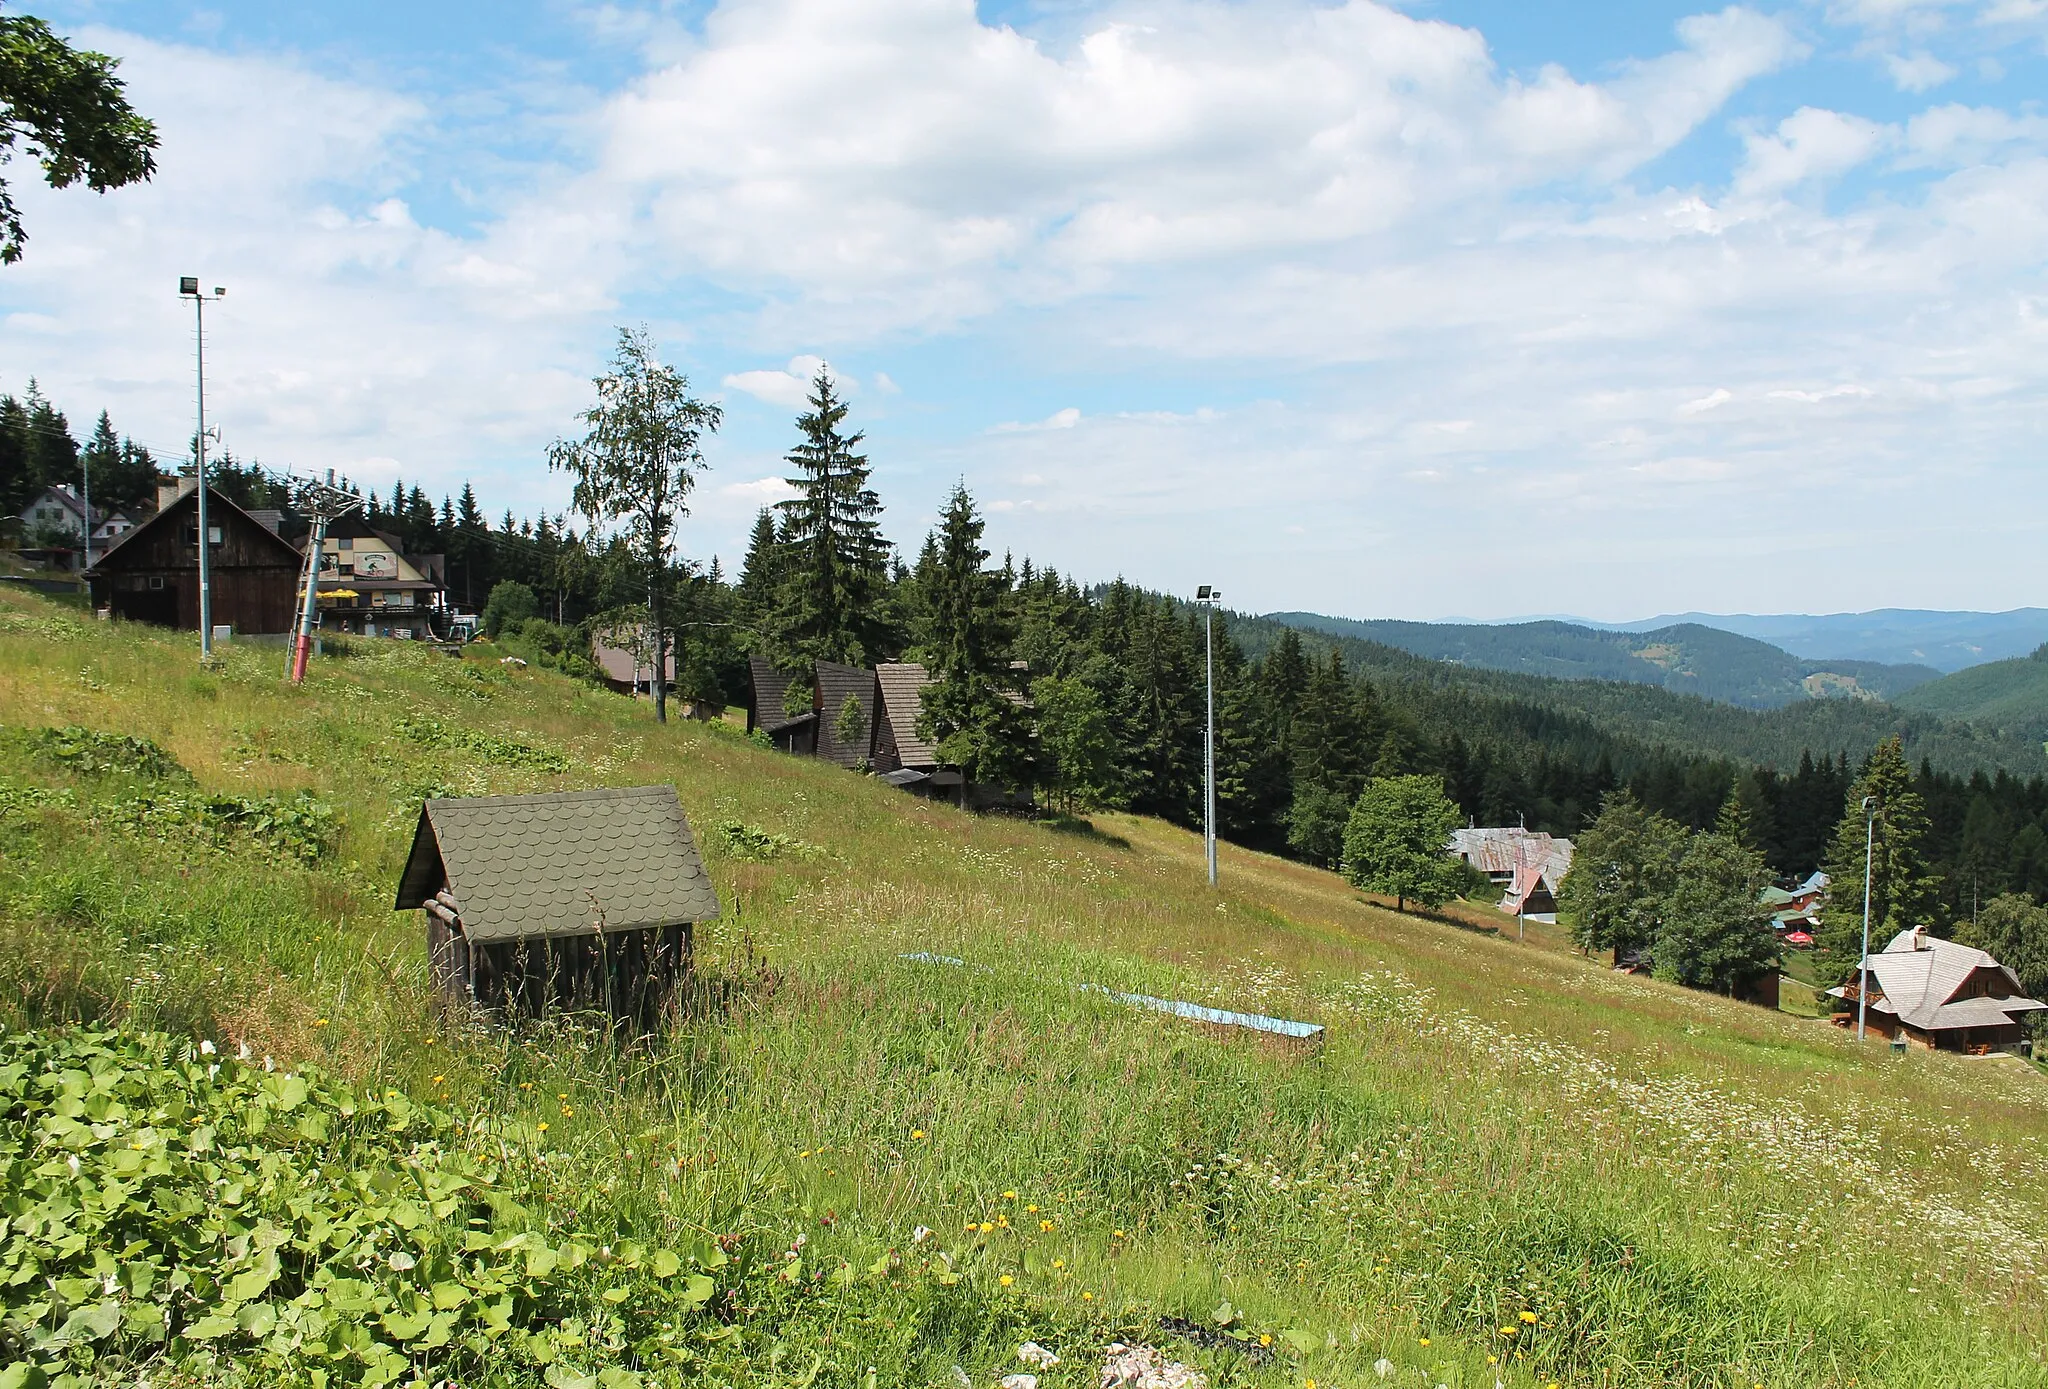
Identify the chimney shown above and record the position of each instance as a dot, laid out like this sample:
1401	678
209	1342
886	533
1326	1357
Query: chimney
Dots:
1920	938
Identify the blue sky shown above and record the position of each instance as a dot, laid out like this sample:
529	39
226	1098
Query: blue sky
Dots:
1451	306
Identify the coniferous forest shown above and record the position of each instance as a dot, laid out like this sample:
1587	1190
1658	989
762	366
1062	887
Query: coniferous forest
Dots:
1092	693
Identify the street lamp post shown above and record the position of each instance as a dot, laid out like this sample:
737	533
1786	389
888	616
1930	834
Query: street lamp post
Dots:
188	288
1863	965
1208	597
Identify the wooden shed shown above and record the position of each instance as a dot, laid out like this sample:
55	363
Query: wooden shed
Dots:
152	573
576	901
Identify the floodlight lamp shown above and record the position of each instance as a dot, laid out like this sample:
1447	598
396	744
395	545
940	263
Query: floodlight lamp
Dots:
188	284
220	291
1869	805
1202	594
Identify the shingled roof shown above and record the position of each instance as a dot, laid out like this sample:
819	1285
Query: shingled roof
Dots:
836	684
902	686
770	688
566	864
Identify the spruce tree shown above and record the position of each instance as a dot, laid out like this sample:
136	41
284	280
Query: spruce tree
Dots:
761	576
836	556
970	713
1904	893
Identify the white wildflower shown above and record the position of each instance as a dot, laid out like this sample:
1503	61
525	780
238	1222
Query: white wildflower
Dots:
1383	1367
1037	1356
206	1048
920	1234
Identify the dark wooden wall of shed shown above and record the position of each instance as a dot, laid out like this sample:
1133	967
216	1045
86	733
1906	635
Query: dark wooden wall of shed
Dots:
631	975
255	579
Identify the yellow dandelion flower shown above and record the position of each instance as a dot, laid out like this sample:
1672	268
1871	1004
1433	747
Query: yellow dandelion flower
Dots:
1009	1196
1117	1235
1087	1297
1507	1331
437	1079
1006	1280
986	1227
1044	1226
319	1022
917	1133
1265	1339
1031	1210
568	1113
543	1126
1425	1340
1059	1263
1529	1317
1308	1384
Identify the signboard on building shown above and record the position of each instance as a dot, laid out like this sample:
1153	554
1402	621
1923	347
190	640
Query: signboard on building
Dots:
376	564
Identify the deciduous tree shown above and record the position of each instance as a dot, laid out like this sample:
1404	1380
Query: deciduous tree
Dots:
70	111
1716	933
1397	839
634	467
1624	867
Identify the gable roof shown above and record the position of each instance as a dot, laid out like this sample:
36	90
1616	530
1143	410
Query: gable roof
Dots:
566	864
1919	976
837	684
1506	851
287	552
902	685
770	687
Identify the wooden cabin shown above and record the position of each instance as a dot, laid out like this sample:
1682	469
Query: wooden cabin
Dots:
767	710
151	574
578	901
1938	994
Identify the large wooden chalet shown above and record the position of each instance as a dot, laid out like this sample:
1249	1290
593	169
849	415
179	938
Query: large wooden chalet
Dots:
1938	994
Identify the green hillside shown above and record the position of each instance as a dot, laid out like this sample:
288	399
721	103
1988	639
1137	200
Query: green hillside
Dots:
2009	696
1564	713
850	1168
1685	658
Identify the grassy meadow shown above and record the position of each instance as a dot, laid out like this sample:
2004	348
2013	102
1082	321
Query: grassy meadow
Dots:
1506	1166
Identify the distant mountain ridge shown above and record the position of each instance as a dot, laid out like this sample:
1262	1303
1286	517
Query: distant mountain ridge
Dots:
1947	641
1685	658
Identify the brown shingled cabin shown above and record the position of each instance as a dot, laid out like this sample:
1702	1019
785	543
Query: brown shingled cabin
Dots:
574	901
151	574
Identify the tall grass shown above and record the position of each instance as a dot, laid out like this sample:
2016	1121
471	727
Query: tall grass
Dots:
1677	1189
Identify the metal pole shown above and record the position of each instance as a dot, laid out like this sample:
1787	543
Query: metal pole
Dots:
1521	894
85	480
1863	965
302	647
1209	741
205	559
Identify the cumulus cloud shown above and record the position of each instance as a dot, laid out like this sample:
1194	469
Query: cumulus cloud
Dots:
789	387
1441	281
1810	143
1917	72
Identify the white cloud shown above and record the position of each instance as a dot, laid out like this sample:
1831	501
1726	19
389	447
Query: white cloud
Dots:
760	492
1441	282
1810	143
1058	419
790	387
1918	72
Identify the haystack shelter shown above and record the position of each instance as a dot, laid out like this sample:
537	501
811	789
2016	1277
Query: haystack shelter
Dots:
578	900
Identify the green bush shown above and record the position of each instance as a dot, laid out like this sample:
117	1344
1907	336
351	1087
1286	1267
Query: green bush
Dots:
509	605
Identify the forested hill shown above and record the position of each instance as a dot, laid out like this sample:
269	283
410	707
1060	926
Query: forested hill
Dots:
1478	700
1686	658
2011	696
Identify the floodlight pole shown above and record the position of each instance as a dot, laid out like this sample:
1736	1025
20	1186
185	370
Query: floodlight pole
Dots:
188	287
1863	965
